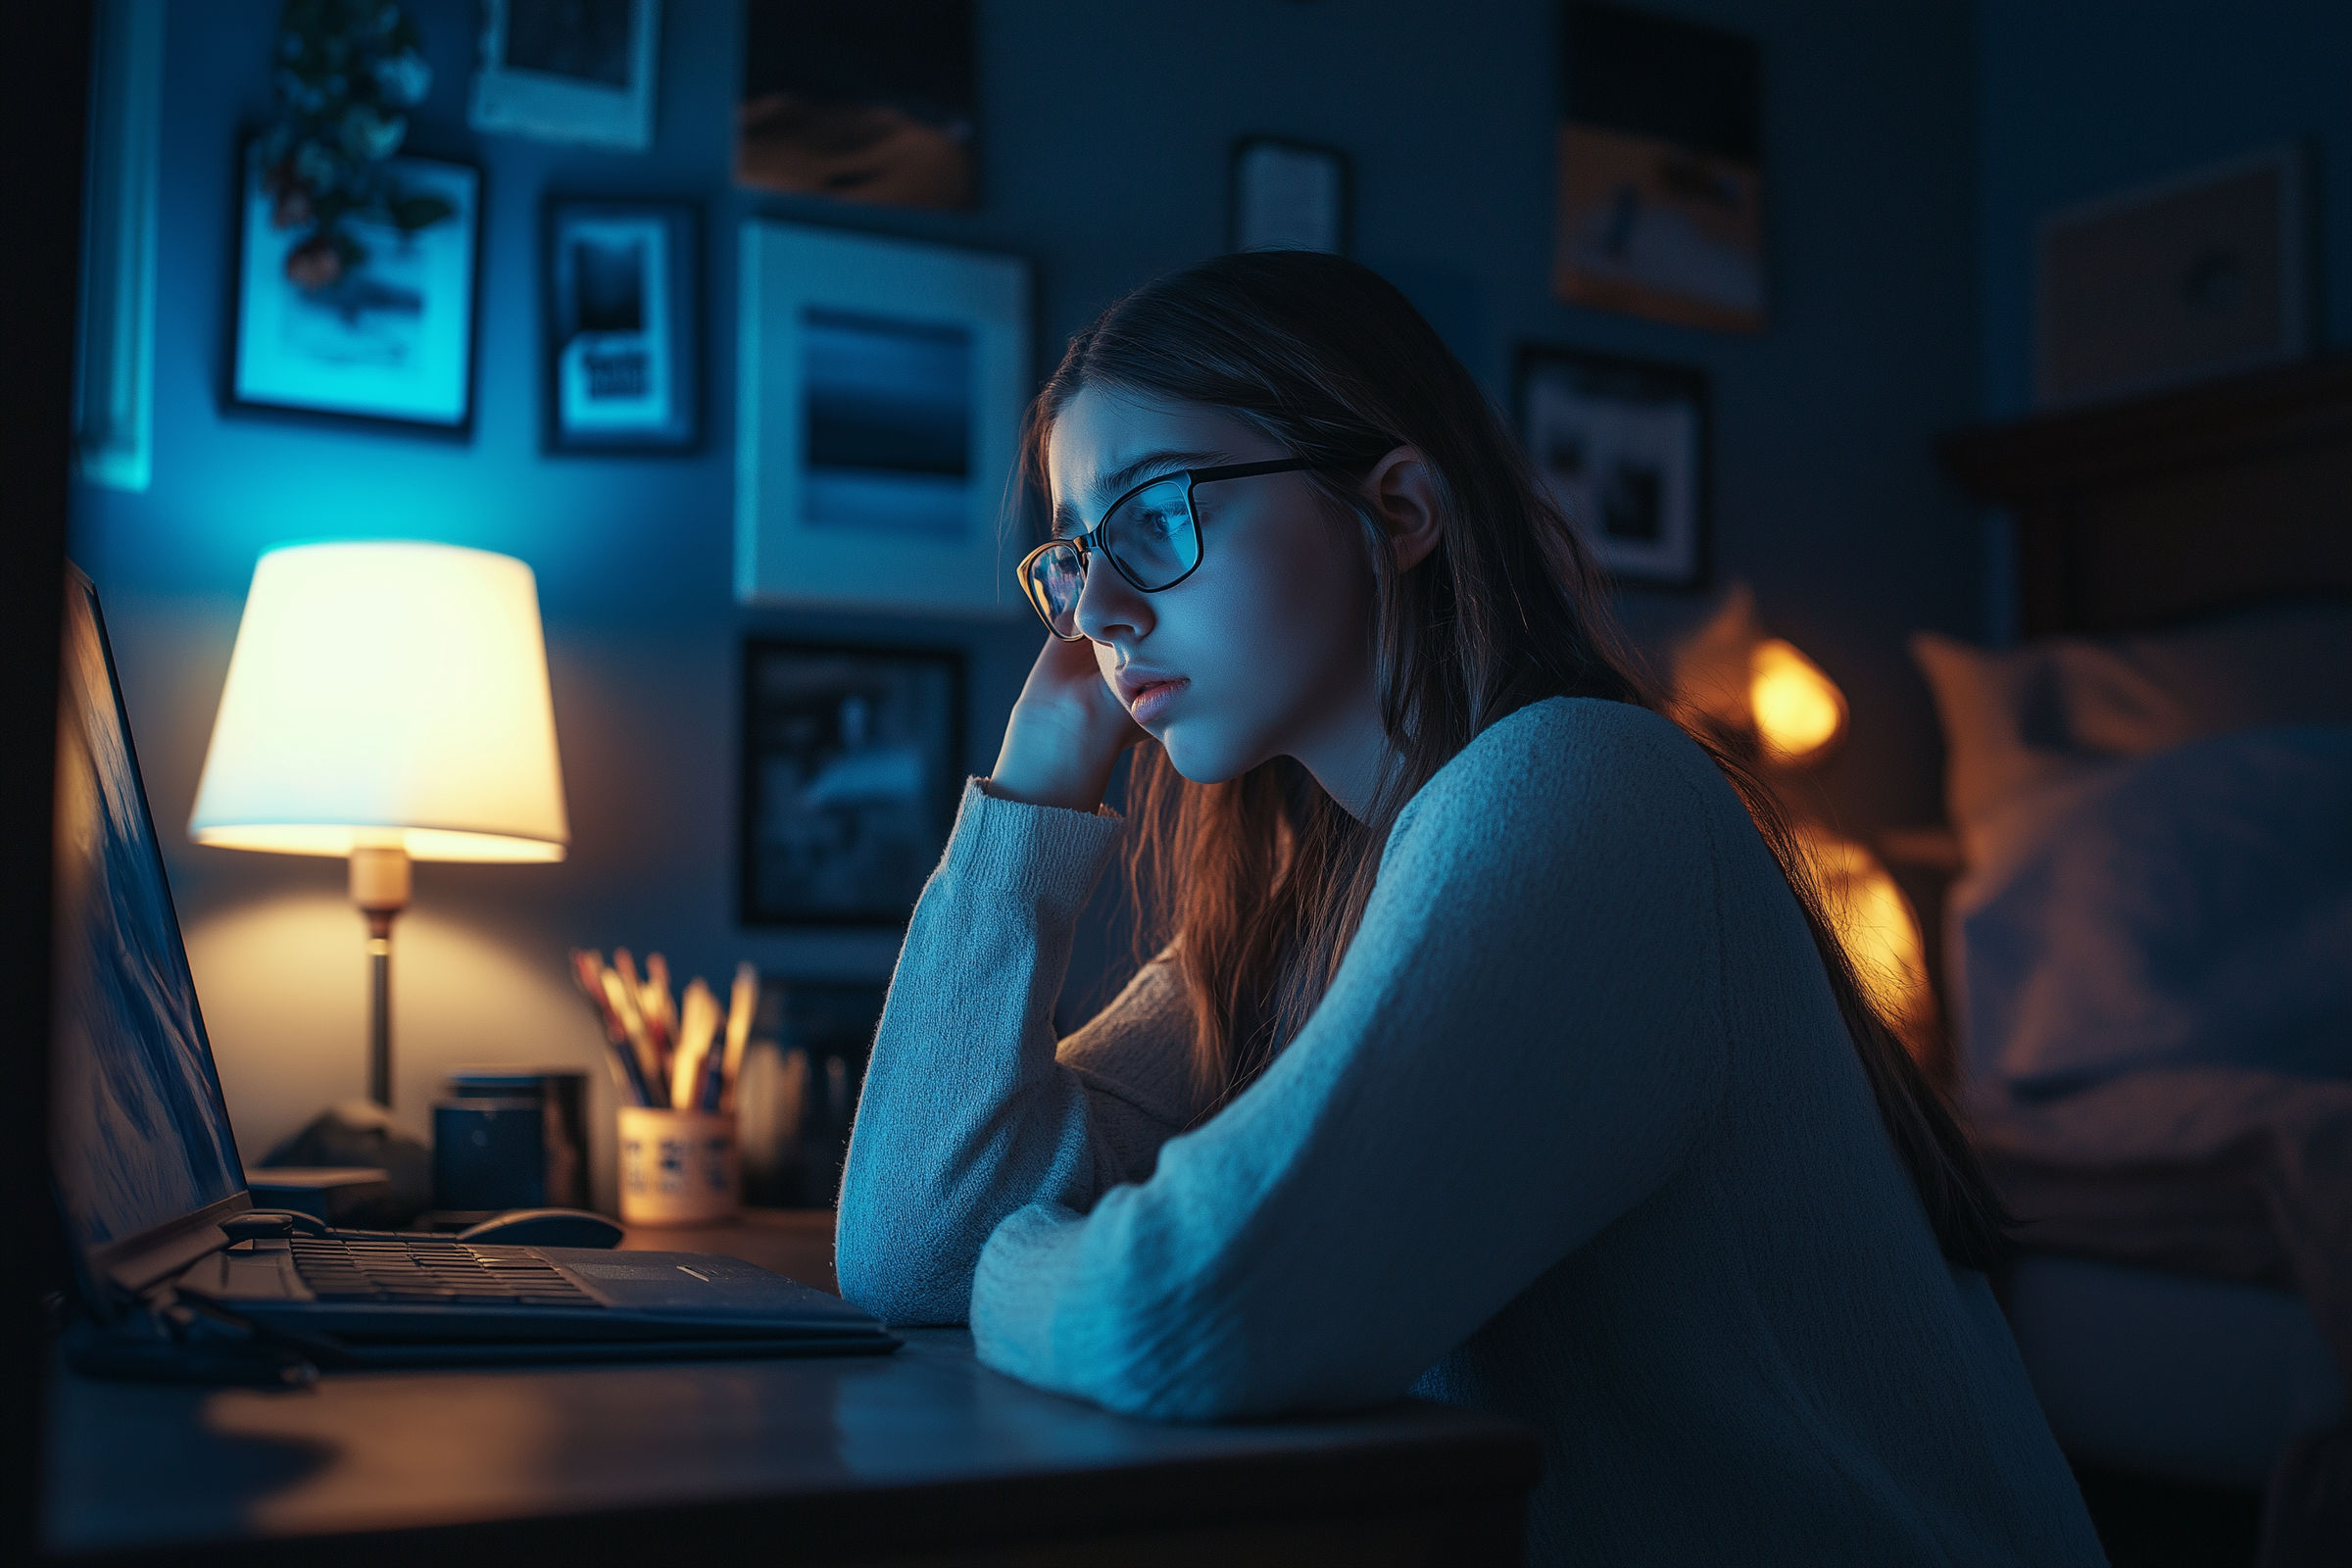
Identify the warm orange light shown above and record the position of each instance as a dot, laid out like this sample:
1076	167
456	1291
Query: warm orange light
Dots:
1801	713
1875	924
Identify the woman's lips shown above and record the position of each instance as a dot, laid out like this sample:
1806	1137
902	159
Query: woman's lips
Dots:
1152	697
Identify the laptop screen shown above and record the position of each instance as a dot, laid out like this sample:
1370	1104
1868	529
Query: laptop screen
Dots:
138	1132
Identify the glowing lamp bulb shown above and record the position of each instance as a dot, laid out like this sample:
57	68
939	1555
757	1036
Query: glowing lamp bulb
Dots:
1800	714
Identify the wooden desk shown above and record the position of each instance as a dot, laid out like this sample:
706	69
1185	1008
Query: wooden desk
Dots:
921	1458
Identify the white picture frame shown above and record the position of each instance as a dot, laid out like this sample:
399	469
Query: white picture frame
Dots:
878	415
590	82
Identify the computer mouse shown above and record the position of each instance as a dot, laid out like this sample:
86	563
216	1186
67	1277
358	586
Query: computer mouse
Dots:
546	1227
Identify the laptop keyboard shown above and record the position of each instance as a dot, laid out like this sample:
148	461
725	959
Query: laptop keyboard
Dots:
413	1269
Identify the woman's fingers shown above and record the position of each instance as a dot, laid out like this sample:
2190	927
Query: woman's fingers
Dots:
1066	733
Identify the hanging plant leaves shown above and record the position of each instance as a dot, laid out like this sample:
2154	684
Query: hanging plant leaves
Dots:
345	71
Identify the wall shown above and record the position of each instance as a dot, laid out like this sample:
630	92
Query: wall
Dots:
2081	98
1106	134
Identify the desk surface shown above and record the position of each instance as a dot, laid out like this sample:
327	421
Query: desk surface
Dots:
921	1456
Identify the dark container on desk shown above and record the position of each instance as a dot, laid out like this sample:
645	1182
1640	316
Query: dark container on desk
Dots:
511	1137
792	1150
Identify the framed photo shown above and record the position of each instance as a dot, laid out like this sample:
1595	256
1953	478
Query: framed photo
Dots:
1623	446
2200	275
853	759
580	71
1660	209
623	372
1290	195
874	102
390	336
879	408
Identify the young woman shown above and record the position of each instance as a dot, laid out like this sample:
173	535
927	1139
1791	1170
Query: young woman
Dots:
1495	1055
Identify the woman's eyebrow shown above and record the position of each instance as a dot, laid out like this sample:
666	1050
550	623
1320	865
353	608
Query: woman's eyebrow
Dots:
1108	487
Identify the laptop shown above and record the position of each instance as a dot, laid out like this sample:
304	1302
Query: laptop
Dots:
171	1254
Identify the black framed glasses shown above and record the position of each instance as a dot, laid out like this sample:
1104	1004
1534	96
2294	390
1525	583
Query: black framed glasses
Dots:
1152	535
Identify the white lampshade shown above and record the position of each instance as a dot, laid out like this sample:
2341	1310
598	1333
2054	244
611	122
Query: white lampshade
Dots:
390	695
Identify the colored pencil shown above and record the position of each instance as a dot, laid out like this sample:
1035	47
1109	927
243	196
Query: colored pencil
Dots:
587	974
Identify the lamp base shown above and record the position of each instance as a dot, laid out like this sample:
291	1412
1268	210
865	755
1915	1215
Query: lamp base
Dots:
380	886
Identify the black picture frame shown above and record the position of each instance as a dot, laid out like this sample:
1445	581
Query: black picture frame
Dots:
852	767
261	375
647	349
1625	447
1272	198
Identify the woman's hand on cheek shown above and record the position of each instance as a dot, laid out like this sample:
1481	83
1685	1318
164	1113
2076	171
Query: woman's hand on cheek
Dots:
1066	734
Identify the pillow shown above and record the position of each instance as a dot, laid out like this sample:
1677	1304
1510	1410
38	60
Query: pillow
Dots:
2189	908
2022	719
2003	732
2130	696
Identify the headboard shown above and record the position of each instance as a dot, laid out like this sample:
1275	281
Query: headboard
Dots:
2173	507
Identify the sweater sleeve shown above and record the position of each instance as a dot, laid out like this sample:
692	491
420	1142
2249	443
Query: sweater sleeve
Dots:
1523	1040
968	1111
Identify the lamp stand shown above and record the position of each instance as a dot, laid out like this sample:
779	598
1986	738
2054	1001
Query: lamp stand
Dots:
380	886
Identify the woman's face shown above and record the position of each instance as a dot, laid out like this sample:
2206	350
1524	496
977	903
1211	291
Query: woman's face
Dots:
1266	649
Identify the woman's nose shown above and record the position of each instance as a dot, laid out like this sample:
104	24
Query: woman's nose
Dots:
1108	605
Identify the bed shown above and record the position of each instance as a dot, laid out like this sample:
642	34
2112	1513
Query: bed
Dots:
2146	953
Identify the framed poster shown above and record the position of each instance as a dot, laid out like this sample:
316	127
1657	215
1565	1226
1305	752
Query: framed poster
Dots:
876	102
853	759
1660	205
619	280
1290	195
580	71
2200	276
1622	444
387	334
882	384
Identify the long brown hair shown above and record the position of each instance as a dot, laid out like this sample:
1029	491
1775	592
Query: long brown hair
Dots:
1261	880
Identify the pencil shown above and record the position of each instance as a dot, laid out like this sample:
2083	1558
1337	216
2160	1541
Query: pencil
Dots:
587	974
649	1062
742	1003
698	1022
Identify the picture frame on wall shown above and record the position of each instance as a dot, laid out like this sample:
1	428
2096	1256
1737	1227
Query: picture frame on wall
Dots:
620	280
388	335
1288	195
875	103
1622	445
569	70
881	388
2204	274
1659	206
853	760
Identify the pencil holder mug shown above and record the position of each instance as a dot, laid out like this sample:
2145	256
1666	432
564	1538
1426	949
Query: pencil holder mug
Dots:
678	1168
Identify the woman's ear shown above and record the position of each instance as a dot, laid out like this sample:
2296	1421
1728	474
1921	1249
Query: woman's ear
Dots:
1402	492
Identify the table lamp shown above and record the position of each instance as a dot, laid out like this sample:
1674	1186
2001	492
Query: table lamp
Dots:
387	701
1766	701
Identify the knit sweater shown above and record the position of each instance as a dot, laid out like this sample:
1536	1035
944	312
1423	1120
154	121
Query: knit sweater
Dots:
1576	1135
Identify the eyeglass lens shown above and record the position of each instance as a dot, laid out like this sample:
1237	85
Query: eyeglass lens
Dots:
1056	580
1151	536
